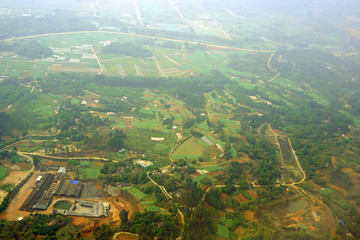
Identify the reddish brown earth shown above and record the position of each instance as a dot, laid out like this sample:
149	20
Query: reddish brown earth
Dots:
240	198
249	215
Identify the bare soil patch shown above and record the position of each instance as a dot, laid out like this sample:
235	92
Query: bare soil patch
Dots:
223	197
333	161
240	198
3	193
14	177
249	215
252	194
244	159
215	174
354	32
24	166
12	213
229	210
239	231
347	170
124	236
15	168
54	163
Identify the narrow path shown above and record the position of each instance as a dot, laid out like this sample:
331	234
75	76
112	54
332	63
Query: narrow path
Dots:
138	70
176	10
97	59
138	13
121	70
293	152
96	95
32	165
7	108
172	60
278	144
217	23
162	188
159	66
294	185
113	59
272	69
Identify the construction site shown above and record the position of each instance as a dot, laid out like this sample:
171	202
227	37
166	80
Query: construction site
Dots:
86	209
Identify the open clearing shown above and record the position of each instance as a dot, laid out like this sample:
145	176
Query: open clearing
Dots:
191	148
14	177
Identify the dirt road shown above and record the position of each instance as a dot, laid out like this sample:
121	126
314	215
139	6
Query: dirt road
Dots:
102	70
67	158
7	108
294	184
143	36
272	69
161	71
293	152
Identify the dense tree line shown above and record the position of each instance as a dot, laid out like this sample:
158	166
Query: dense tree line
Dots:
264	153
149	225
10	122
28	48
213	198
199	224
51	226
61	22
110	174
192	193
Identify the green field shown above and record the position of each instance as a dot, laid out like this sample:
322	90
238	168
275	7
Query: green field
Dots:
3	172
7	187
223	232
174	62
89	170
139	195
191	148
64	205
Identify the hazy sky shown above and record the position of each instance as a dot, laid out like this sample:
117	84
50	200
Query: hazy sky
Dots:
328	6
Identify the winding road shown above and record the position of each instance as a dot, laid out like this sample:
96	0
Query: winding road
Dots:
163	189
293	152
294	184
272	69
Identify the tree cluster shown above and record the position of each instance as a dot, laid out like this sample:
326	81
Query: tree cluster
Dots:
28	48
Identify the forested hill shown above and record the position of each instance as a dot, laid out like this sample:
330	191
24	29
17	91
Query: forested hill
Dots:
27	25
28	48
